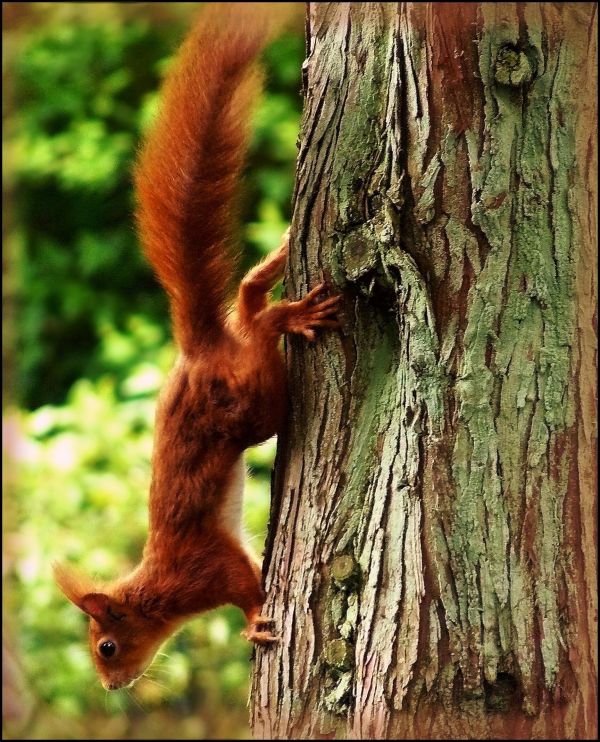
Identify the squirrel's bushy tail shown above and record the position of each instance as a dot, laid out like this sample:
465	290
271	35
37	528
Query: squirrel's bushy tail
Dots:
189	168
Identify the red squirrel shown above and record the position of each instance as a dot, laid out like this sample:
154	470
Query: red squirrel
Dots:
227	390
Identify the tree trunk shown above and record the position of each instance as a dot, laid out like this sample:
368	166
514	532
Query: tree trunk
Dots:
431	562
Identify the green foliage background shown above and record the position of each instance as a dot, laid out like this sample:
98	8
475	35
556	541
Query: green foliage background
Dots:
87	346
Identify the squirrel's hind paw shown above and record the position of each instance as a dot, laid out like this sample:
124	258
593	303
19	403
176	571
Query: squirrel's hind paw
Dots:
252	634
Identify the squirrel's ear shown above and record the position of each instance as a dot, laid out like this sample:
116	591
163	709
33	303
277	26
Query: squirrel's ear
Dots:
75	585
82	591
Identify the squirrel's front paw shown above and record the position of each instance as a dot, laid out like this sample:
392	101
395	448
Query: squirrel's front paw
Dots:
313	312
253	632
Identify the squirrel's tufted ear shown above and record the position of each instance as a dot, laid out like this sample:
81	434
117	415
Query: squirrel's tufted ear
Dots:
74	584
83	591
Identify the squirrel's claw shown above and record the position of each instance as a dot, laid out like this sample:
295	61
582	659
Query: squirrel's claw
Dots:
256	632
252	634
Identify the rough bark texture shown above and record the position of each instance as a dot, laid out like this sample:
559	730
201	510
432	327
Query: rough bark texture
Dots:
431	564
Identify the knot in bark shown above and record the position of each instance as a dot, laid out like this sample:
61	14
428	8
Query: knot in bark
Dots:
513	67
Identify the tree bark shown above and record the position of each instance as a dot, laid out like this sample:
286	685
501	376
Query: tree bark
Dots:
431	562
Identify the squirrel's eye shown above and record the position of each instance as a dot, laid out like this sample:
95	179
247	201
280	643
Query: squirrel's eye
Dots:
107	649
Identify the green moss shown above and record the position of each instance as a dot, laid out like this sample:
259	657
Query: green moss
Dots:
339	654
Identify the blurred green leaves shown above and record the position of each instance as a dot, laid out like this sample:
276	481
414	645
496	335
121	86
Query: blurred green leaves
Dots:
78	94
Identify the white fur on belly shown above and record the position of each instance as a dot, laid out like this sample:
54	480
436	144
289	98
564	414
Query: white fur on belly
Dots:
233	500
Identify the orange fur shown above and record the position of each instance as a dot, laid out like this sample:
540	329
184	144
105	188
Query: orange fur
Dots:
227	391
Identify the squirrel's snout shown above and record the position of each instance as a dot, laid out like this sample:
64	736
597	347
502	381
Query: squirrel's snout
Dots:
117	685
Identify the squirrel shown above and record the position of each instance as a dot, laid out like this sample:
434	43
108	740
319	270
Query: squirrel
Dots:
227	390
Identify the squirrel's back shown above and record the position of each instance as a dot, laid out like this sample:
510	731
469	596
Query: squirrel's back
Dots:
189	168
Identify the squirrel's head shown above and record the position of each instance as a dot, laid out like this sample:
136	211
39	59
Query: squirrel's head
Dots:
123	638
